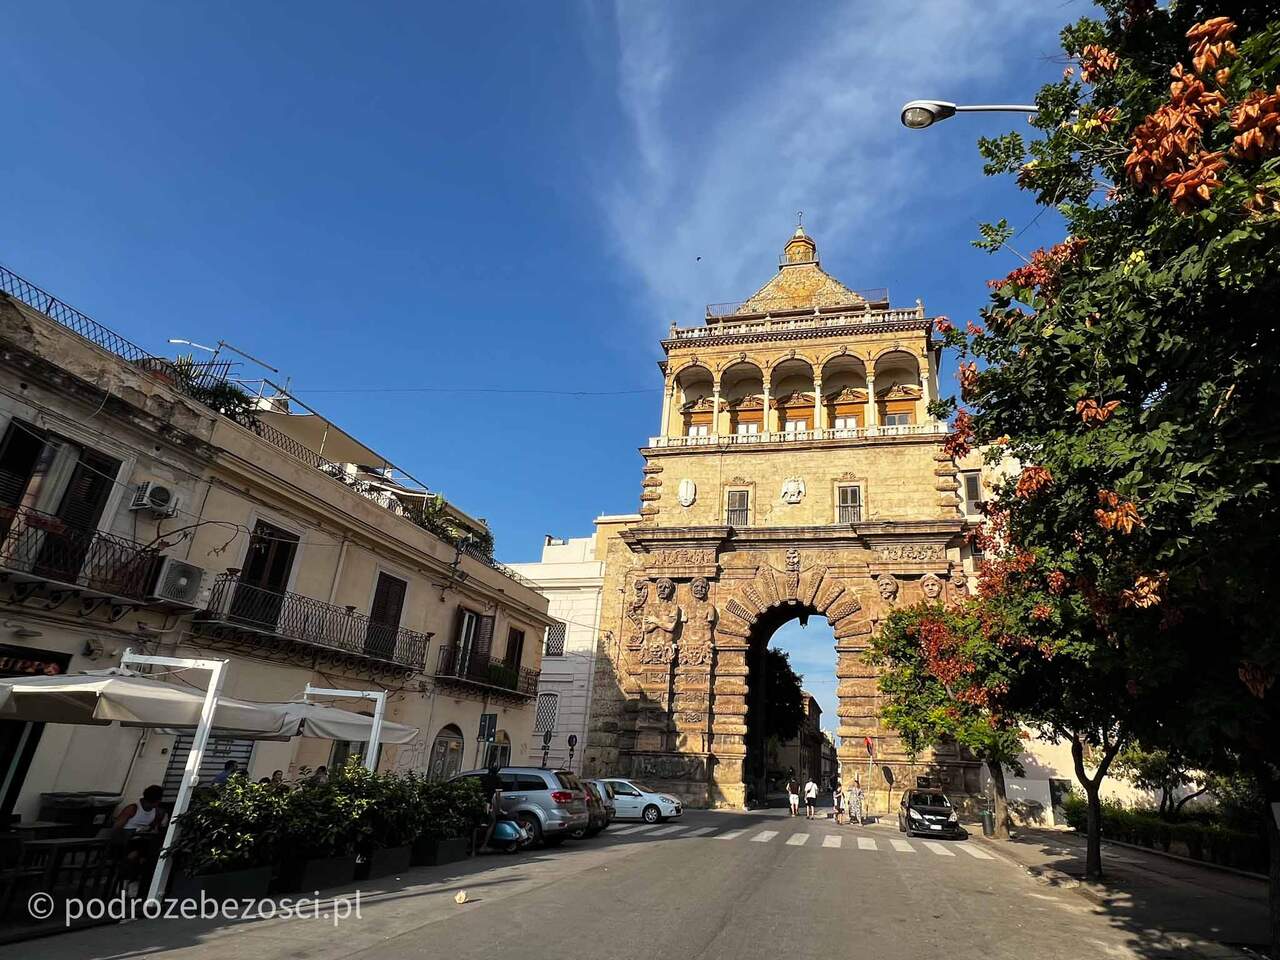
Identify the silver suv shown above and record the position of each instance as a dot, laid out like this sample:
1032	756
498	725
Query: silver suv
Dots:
550	804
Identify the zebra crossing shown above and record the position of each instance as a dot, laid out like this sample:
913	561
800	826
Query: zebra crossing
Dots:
801	838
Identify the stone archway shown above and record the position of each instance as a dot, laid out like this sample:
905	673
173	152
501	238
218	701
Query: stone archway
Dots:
814	588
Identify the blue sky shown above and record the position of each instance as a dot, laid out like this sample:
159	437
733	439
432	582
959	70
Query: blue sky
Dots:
499	196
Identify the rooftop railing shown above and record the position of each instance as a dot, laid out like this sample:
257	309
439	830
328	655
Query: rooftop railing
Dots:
803	321
763	305
796	436
291	616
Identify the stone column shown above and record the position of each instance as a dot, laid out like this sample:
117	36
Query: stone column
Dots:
715	409
766	419
668	394
873	415
817	405
926	389
729	722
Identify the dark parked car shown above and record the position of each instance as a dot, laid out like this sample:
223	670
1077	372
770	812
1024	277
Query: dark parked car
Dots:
550	804
928	812
597	812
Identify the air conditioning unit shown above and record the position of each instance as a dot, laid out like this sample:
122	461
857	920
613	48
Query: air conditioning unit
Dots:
160	500
176	582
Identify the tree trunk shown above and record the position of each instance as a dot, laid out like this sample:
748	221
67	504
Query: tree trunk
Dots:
1001	799
1093	842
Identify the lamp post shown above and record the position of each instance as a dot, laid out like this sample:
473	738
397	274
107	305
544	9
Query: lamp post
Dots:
918	114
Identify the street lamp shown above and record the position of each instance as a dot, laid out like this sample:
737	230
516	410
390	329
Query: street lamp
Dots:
918	114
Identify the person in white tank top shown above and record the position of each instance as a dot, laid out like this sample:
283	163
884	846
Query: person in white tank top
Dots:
145	816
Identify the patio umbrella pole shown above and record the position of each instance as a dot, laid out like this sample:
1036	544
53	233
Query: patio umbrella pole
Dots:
217	672
379	698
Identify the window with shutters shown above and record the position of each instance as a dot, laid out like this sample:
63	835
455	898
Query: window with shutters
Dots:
544	717
738	509
971	487
384	616
49	474
796	426
554	645
515	647
849	504
700	430
264	576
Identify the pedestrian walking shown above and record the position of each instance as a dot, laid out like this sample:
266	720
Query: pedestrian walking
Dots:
810	798
793	797
855	802
837	802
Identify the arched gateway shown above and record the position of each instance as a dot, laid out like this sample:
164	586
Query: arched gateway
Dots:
797	472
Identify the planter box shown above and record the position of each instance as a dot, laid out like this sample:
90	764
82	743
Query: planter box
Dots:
252	883
434	852
305	875
384	862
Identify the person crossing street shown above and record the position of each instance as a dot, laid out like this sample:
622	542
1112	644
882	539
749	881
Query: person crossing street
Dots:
810	798
793	796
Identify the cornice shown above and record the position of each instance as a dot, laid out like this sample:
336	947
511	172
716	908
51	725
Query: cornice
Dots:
804	333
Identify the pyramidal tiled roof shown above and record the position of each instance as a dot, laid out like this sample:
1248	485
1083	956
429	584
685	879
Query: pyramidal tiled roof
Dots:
800	283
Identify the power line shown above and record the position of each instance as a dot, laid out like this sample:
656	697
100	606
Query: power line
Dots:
498	390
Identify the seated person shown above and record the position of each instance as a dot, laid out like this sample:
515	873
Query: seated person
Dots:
139	831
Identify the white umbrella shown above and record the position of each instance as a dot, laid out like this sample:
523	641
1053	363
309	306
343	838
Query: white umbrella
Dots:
334	723
105	696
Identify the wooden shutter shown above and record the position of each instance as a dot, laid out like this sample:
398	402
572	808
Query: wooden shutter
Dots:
515	647
483	646
19	452
388	600
87	490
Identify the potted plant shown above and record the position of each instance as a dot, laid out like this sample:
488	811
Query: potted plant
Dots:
391	823
228	839
318	834
451	814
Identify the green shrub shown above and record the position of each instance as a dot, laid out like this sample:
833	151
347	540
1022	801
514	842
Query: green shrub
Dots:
237	826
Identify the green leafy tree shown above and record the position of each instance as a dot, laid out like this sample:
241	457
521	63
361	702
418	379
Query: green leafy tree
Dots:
943	678
785	699
1132	366
1163	772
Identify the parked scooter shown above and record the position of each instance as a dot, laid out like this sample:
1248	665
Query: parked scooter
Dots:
508	836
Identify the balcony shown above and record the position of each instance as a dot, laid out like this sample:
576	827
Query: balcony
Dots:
881	431
728	323
463	667
42	550
249	615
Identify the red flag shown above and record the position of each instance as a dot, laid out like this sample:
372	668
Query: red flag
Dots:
870	748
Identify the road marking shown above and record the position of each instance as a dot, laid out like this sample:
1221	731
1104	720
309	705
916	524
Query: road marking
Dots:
625	830
764	836
975	852
700	831
667	831
831	840
866	843
797	839
902	846
731	835
938	848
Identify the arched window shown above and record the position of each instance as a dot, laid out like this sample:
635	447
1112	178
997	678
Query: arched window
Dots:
544	718
499	754
446	753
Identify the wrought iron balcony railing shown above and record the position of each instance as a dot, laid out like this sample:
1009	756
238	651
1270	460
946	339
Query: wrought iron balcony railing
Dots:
461	664
290	616
40	547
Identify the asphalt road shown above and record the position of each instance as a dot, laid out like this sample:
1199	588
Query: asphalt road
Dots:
712	886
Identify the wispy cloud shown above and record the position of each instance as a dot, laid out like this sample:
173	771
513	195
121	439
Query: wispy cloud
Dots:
814	128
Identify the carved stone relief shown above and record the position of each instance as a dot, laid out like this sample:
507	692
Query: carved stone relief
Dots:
687	493
793	490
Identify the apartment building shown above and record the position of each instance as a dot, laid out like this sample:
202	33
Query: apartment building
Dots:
158	505
571	578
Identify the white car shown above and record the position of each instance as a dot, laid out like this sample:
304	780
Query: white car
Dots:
635	801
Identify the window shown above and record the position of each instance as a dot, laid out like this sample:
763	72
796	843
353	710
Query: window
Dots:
384	616
739	512
699	429
796	426
897	419
544	717
748	428
446	754
846	423
467	645
971	488
259	593
515	647
554	645
849	500
344	750
525	781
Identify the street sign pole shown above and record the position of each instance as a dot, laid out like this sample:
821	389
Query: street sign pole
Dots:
546	748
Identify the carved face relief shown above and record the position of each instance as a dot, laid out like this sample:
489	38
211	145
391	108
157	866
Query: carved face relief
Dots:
931	584
888	587
640	592
960	583
699	588
666	589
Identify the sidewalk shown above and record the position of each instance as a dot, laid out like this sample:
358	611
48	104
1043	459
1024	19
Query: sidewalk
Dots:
1155	898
